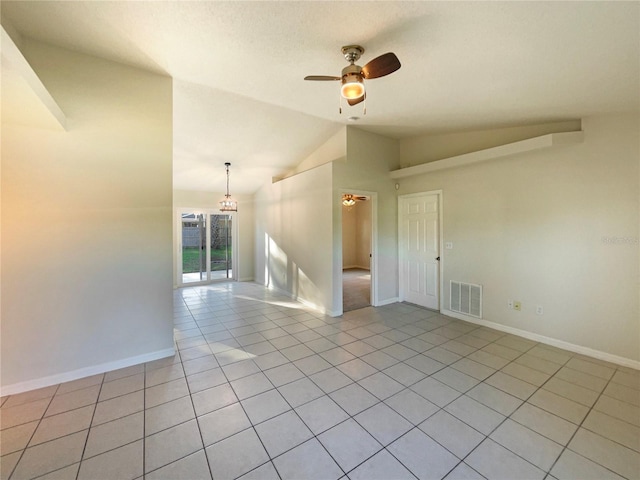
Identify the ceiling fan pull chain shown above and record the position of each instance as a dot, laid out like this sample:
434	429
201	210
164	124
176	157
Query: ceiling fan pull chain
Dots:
364	106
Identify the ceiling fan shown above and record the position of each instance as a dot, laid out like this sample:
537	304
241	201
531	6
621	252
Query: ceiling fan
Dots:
353	75
349	200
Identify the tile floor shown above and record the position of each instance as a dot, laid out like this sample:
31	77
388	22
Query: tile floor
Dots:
263	388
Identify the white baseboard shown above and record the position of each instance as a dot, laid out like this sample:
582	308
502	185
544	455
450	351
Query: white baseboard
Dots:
246	279
386	301
590	352
20	387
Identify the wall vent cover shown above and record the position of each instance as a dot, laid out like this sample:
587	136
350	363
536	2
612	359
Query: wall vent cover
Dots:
466	298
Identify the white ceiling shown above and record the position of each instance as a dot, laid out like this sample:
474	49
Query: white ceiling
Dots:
238	69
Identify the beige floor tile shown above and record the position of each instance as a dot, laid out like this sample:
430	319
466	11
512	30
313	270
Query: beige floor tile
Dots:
494	398
627	379
622	460
526	374
537	363
122	386
528	444
511	385
236	455
8	463
118	407
24	413
453	434
591	368
422	455
66	473
50	456
165	392
613	429
545	423
574	392
473	369
591	382
168	415
124	372
30	396
475	414
623	393
571	466
63	424
223	423
560	406
124	463
172	444
80	384
114	434
193	467
16	438
494	461
618	409
164	375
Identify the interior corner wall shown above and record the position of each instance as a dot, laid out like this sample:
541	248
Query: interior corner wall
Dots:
245	225
294	236
557	228
349	242
86	224
363	234
370	158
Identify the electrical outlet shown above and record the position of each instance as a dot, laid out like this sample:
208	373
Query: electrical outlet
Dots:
539	310
448	245
517	306
510	304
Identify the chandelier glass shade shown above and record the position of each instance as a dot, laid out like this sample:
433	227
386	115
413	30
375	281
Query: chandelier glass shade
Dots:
227	204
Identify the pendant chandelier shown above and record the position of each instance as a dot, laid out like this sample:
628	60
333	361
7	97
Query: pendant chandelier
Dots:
227	204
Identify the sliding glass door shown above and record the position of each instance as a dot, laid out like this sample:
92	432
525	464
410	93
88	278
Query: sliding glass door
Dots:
205	250
221	241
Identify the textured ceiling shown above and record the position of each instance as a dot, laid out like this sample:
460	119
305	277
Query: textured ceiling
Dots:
238	69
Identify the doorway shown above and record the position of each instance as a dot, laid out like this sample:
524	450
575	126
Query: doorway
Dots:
356	251
205	249
419	225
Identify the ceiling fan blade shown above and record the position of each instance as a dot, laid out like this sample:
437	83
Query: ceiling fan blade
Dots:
356	101
381	66
321	77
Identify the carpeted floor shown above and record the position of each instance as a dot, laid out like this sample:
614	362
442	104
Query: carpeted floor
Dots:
356	289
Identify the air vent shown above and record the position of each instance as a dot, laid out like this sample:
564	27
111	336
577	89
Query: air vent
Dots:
466	298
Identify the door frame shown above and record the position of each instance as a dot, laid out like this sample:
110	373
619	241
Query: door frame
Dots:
178	246
373	294
401	285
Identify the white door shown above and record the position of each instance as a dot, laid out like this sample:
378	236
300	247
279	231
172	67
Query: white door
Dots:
420	250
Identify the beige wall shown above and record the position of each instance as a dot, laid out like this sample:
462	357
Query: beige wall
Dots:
293	236
363	233
370	158
535	228
428	148
86	224
349	243
356	235
197	200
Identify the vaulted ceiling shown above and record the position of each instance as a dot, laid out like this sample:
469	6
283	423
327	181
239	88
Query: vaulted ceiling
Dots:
238	69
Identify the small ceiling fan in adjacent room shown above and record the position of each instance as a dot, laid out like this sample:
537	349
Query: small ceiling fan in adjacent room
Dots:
349	200
353	76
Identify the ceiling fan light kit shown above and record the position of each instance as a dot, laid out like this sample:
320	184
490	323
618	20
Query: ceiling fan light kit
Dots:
353	76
